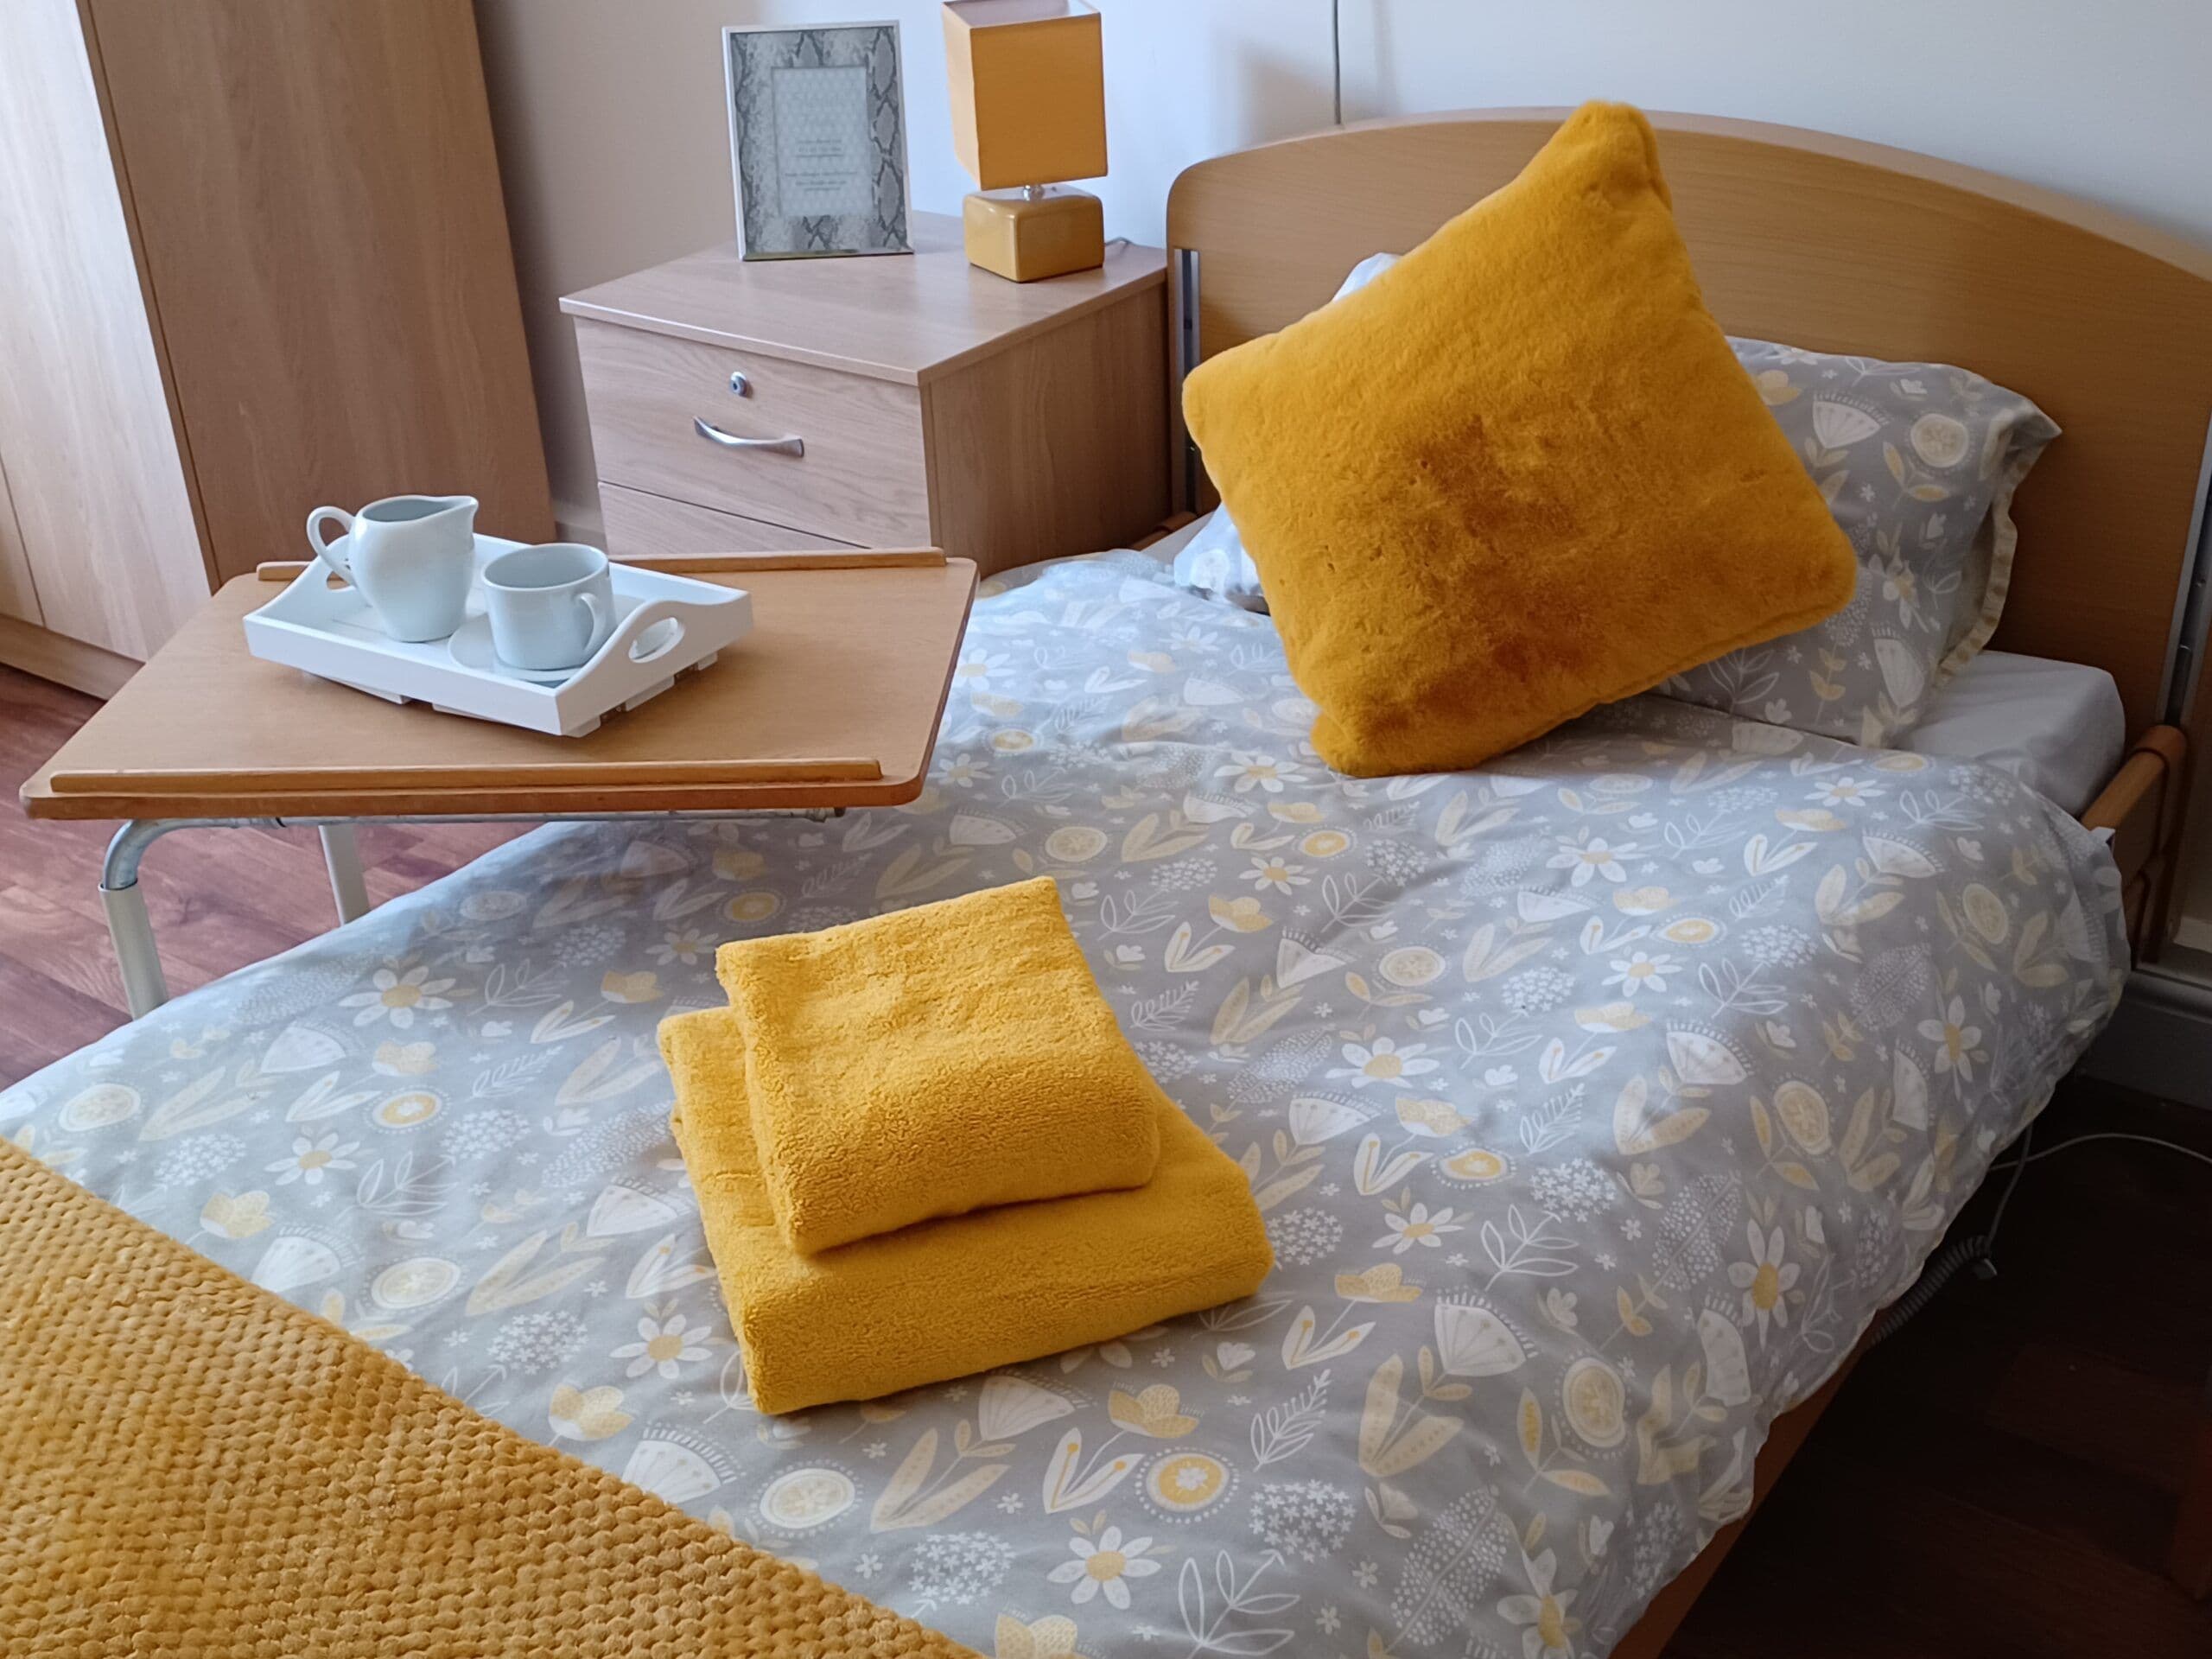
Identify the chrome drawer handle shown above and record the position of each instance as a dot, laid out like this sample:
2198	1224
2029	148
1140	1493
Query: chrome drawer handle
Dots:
712	434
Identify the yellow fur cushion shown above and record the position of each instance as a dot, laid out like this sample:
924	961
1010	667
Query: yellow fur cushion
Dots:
1518	475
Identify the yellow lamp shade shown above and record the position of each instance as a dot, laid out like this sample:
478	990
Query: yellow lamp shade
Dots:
1028	90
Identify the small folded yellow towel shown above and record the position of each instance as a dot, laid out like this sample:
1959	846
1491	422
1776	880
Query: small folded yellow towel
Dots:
949	1298
934	1061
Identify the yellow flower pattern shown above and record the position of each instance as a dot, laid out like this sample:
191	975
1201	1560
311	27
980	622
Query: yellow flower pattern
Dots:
1594	1101
1919	462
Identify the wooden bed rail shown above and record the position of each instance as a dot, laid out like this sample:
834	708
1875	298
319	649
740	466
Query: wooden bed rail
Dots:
2142	806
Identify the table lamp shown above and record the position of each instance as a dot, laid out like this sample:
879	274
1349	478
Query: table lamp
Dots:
1028	110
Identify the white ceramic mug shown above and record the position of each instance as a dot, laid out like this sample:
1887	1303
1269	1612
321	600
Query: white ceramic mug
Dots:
413	556
551	606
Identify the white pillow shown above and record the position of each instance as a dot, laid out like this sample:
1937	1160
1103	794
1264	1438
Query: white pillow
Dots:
1214	561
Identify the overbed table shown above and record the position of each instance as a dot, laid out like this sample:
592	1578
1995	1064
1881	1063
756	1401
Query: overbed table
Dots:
832	701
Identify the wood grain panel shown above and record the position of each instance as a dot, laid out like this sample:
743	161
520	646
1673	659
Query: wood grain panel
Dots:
638	525
1088	394
898	319
101	497
18	593
862	478
2130	807
73	663
734	565
2142	806
319	207
1834	245
843	666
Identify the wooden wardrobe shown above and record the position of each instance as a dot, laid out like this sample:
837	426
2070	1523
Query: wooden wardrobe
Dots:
253	258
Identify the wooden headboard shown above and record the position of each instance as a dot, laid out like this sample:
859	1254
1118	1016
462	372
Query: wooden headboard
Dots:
1834	245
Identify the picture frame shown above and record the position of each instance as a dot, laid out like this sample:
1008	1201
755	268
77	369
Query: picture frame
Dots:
817	139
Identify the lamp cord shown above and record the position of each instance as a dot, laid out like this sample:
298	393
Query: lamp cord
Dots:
1337	58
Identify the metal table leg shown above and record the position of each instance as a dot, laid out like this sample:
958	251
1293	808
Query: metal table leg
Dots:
128	926
341	856
132	930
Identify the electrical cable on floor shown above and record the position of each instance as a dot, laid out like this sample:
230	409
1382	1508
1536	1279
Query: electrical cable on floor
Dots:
1976	1251
1945	1264
2121	1135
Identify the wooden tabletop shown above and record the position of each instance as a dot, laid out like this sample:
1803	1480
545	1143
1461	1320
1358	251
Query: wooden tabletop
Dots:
907	318
832	700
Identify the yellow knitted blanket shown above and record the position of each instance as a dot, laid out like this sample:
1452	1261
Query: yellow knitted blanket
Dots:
934	1061
189	1466
945	1299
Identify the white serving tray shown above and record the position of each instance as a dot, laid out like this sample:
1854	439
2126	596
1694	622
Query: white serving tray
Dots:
665	625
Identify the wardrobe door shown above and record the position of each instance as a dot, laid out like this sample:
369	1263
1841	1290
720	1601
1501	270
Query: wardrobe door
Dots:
101	506
18	593
318	205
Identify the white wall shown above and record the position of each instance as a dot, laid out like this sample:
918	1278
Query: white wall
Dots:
614	152
2103	97
613	142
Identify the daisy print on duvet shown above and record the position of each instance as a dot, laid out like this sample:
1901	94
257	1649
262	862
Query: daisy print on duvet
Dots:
1596	1101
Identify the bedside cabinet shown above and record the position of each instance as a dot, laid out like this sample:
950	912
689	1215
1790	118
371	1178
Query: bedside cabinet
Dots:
885	401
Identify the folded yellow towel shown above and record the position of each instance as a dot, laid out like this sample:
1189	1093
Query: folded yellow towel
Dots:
949	1298
934	1061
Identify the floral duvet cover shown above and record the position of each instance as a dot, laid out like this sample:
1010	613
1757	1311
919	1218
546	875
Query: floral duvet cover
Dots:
1596	1101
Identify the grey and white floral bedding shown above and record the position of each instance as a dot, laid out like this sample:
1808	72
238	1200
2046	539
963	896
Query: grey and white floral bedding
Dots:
1596	1101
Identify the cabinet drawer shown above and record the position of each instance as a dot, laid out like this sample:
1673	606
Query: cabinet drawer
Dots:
639	525
861	479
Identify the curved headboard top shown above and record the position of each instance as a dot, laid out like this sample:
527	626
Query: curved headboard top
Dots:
1834	245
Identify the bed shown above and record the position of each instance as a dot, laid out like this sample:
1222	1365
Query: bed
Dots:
1596	1101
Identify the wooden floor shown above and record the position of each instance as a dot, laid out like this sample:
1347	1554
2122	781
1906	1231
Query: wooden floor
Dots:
1999	1478
219	898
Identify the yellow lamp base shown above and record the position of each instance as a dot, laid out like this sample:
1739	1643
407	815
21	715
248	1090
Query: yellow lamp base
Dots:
1024	237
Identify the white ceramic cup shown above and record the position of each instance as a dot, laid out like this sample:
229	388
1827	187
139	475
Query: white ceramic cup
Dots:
551	606
411	557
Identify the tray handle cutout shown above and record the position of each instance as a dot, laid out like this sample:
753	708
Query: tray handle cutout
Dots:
630	633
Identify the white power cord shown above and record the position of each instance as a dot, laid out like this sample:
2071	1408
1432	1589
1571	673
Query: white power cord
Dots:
2117	1134
1337	58
1976	1251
